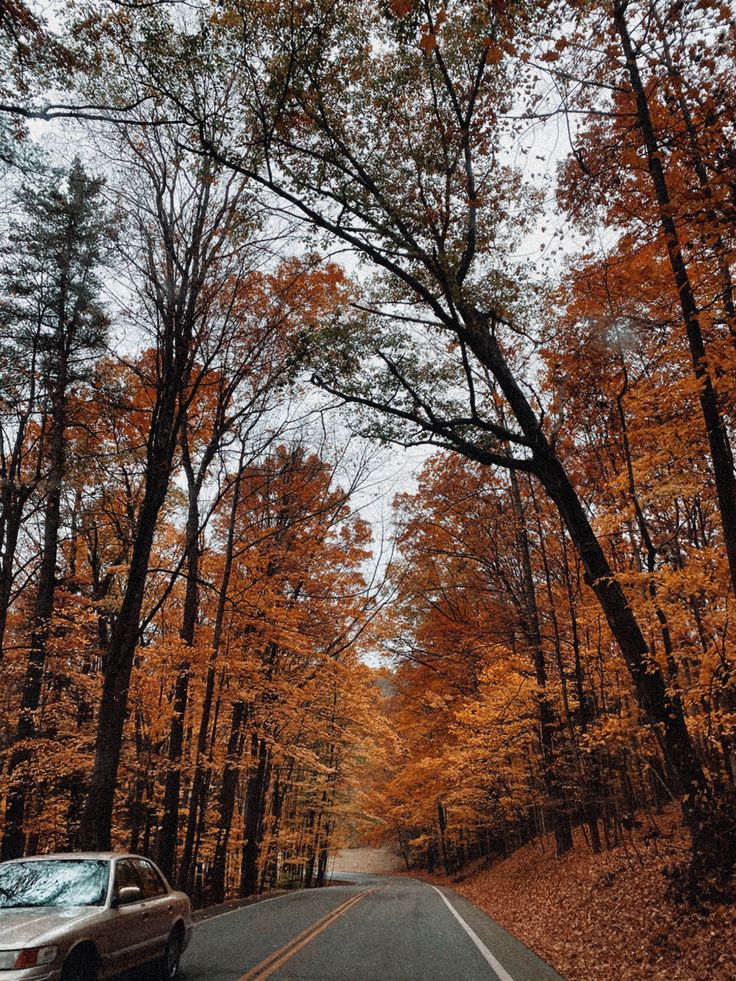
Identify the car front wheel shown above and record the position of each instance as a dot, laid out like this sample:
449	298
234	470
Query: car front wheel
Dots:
170	962
80	966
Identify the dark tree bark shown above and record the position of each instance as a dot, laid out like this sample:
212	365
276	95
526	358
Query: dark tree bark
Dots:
13	837
718	440
255	806
170	819
14	496
223	422
660	709
549	726
228	790
118	665
66	251
182	251
201	779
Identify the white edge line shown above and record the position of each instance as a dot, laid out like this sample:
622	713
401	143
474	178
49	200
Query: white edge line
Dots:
503	974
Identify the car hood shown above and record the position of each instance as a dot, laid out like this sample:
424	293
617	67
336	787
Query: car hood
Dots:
31	927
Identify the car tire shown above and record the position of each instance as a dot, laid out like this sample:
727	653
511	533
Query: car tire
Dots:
80	966
170	964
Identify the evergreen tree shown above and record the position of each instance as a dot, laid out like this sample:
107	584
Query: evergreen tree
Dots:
54	326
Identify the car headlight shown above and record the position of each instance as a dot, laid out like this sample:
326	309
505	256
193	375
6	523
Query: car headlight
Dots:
14	960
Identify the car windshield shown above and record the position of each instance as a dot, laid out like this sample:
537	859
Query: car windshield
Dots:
56	882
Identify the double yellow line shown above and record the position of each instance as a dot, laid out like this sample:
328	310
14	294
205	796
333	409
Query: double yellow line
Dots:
279	957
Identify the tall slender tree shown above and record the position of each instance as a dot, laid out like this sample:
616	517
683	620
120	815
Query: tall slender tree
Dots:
56	320
183	220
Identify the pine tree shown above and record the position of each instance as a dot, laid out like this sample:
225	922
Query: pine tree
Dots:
54	325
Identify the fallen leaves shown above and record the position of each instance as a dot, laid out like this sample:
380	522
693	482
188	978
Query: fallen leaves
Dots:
598	917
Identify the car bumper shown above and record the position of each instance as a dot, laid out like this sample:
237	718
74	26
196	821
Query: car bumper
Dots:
32	974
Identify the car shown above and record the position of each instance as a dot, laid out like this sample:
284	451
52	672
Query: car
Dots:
85	916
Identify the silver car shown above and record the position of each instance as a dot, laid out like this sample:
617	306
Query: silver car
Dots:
87	916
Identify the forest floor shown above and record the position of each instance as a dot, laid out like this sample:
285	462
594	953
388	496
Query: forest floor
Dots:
598	917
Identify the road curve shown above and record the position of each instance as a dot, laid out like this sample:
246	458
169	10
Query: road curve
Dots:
369	928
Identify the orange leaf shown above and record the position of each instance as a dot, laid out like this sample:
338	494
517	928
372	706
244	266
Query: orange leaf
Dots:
401	7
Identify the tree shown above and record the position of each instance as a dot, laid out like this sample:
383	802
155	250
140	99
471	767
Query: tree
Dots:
659	94
55	320
28	53
247	355
408	178
183	235
299	611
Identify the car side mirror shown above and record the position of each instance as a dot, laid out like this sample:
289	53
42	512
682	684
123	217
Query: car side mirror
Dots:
127	895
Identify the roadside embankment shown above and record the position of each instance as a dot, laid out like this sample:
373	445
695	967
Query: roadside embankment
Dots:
598	917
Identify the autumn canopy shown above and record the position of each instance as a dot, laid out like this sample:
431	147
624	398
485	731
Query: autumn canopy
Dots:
299	237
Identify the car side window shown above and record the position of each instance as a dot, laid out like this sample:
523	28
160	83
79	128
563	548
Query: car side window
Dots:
153	884
126	874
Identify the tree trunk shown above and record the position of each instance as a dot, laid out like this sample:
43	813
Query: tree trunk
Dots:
170	820
118	665
442	827
200	781
549	727
11	519
718	441
255	799
216	888
660	710
15	807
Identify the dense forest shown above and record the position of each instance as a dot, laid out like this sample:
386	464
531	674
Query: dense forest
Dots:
250	250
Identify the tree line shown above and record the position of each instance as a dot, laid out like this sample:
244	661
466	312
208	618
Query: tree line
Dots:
397	130
182	589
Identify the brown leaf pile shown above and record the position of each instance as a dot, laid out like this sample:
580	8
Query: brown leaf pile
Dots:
599	917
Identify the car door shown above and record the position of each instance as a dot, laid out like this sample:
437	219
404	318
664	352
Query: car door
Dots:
128	938
159	905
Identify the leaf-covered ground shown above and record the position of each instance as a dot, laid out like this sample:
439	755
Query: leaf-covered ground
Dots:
598	917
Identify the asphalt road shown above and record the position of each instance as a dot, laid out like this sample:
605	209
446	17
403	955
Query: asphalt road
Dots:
370	928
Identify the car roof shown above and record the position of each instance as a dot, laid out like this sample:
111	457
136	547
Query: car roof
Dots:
76	856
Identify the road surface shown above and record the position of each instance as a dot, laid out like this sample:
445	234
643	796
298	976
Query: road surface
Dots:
369	928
